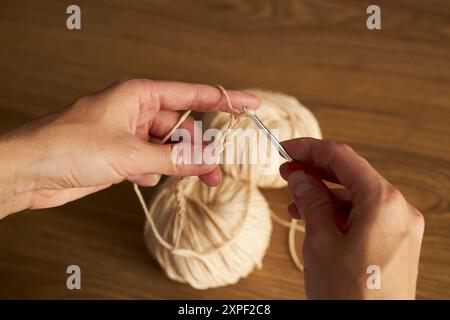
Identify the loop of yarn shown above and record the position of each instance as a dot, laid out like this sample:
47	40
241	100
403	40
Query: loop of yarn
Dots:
280	113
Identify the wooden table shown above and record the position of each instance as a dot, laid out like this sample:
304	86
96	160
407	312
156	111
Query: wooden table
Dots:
386	93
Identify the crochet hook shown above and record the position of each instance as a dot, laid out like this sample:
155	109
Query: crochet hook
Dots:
340	214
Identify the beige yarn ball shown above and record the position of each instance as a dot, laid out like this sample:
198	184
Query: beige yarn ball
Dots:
279	112
225	231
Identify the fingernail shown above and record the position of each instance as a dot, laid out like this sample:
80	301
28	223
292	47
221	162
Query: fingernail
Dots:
253	101
303	184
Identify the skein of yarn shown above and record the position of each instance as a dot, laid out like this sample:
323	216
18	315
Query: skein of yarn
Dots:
279	112
221	235
207	237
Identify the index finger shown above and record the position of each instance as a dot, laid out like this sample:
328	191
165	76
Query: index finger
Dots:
339	161
170	95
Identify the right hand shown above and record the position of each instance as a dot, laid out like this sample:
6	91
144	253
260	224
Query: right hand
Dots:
384	229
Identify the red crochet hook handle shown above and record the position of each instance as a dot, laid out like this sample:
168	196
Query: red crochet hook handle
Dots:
340	212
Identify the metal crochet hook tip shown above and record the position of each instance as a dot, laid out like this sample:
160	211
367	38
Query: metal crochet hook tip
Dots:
268	134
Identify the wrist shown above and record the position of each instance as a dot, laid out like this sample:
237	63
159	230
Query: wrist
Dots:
17	185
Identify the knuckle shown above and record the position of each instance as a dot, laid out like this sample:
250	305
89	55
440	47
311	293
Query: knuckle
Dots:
133	84
122	81
392	196
364	161
343	148
177	169
397	213
393	205
329	144
81	108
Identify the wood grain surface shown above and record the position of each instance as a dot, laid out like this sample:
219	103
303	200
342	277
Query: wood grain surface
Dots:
386	93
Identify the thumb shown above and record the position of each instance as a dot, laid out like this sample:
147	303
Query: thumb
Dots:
181	159
313	202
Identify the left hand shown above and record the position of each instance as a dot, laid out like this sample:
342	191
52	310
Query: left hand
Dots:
102	139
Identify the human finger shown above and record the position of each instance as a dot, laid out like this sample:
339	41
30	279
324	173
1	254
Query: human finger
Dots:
339	161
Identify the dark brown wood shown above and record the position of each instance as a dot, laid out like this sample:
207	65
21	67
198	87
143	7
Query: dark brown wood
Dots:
385	92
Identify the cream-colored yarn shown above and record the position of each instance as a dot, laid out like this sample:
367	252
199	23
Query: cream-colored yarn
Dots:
278	112
207	237
225	234
210	237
